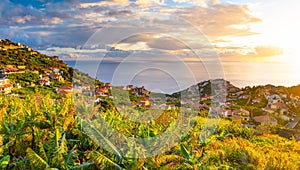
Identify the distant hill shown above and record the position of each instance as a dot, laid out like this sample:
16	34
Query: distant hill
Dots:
16	54
295	90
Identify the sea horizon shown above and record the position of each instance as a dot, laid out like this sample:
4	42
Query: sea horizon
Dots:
235	78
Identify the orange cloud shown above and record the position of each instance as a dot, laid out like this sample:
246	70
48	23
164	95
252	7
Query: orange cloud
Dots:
221	20
268	51
259	53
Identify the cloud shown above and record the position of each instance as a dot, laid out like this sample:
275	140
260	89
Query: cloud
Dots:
149	3
56	20
258	53
167	43
105	3
156	41
202	3
221	20
22	20
118	12
268	51
14	14
71	23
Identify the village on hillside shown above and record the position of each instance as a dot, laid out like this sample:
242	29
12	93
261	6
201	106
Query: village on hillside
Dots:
14	74
250	106
262	105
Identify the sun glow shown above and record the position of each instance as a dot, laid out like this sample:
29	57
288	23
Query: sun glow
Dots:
280	27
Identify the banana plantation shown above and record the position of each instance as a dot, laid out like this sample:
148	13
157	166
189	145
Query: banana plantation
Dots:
38	132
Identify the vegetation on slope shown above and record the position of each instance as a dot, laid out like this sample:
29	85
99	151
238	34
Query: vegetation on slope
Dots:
33	61
38	132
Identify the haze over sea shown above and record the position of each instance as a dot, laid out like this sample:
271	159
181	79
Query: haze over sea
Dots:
240	74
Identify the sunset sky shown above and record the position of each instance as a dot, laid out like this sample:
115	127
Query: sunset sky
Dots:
256	41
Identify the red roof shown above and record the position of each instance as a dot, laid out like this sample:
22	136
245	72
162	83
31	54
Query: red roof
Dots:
144	102
6	86
246	112
280	105
102	90
56	75
264	118
65	90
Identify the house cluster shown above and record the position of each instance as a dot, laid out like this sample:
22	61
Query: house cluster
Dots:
3	49
147	103
64	90
239	95
238	114
52	74
43	80
295	100
159	103
26	48
104	91
78	87
189	104
83	88
45	77
164	106
10	69
245	115
266	120
23	47
128	87
278	104
140	91
11	45
144	102
5	84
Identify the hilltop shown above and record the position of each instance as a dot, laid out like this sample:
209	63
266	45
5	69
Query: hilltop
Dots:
294	90
25	70
24	57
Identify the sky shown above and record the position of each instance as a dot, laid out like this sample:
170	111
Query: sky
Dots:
248	42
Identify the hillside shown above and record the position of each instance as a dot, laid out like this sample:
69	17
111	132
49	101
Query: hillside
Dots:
28	71
55	136
23	57
294	90
44	130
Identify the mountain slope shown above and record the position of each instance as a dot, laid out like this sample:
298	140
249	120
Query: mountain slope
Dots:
20	55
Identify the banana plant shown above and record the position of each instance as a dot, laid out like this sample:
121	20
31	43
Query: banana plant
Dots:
193	159
12	132
99	138
56	155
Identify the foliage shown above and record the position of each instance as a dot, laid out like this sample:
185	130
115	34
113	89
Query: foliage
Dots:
40	132
45	130
24	79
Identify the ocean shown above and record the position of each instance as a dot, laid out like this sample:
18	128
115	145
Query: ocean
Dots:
170	77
